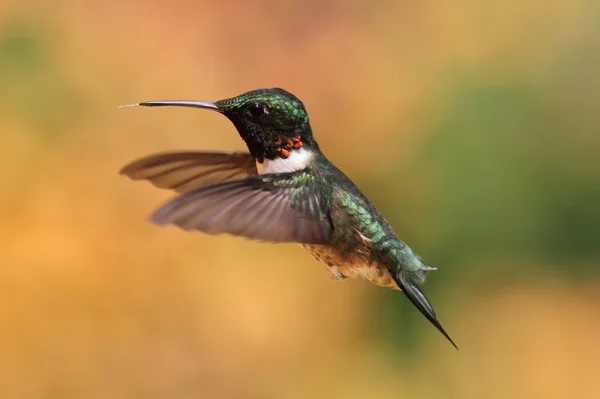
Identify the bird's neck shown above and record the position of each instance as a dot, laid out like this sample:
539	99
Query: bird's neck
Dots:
297	159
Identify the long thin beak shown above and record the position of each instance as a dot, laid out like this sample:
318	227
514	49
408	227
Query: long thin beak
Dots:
177	103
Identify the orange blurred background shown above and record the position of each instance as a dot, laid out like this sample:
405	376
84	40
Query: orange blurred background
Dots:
473	126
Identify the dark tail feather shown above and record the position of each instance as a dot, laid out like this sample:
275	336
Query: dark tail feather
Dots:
414	294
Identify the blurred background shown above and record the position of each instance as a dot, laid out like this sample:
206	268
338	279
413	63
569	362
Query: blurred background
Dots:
473	126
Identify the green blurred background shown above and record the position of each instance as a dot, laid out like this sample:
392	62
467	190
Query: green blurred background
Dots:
474	126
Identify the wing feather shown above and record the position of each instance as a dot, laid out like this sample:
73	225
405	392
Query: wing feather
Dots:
275	208
184	171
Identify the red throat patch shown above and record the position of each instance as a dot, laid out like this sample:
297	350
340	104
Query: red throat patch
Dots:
283	145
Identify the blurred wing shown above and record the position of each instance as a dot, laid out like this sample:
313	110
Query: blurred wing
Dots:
183	171
277	208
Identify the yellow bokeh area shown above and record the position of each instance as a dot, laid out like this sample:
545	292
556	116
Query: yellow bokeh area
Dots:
473	126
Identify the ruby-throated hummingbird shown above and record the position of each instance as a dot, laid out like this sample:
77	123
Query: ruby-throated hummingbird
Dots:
283	190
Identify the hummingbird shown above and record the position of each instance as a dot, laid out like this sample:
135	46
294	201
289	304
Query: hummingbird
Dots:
283	190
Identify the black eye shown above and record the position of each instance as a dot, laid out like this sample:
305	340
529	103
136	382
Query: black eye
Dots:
257	110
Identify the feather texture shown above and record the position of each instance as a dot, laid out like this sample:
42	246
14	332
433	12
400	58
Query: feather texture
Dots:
277	208
184	171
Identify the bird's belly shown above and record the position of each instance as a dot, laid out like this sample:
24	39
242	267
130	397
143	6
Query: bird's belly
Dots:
343	266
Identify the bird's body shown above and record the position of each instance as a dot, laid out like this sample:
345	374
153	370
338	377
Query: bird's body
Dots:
283	190
363	244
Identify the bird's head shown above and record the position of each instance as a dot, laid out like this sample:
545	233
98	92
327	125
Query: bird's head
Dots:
272	122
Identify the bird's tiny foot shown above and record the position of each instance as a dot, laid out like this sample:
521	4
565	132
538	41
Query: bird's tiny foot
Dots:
336	274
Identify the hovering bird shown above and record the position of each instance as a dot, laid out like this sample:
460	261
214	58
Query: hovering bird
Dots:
283	190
